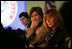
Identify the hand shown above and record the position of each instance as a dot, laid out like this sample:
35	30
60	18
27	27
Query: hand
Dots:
31	46
29	31
34	24
69	41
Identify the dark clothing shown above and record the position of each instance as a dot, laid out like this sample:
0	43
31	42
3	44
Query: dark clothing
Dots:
12	38
57	38
29	24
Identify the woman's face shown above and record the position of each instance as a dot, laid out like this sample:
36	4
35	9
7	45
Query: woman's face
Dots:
35	18
50	20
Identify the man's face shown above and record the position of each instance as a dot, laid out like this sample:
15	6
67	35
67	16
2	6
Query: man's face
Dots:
23	20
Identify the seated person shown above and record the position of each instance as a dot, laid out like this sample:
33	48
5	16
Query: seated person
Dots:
24	18
35	34
57	36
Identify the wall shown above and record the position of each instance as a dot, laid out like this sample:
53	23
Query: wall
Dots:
30	4
59	4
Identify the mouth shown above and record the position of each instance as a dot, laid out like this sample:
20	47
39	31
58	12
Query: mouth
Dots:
50	23
35	21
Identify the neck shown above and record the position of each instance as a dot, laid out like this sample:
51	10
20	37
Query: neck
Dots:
53	28
34	27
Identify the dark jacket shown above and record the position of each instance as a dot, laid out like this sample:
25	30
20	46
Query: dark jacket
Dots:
58	39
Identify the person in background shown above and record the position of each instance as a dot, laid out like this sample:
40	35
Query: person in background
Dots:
9	38
66	10
24	18
58	37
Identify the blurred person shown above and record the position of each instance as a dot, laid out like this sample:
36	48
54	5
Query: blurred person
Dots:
65	10
34	36
9	39
57	35
2	29
24	18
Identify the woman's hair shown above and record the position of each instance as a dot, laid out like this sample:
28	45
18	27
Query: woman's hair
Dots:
57	16
39	11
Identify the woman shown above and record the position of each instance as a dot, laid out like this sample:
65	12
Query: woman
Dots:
36	16
57	36
34	35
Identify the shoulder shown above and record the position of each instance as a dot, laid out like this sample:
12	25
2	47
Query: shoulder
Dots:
29	24
29	30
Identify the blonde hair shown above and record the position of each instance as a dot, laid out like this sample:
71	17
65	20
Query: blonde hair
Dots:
56	15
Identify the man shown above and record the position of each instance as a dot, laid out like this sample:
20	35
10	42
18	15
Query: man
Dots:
24	18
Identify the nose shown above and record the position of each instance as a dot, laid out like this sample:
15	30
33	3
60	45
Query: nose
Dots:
48	20
34	18
22	21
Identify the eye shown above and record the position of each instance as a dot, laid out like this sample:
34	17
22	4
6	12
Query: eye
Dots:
36	15
51	16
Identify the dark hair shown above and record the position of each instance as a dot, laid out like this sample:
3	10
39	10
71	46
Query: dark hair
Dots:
25	14
38	10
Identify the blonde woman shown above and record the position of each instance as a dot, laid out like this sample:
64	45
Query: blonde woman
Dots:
57	34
